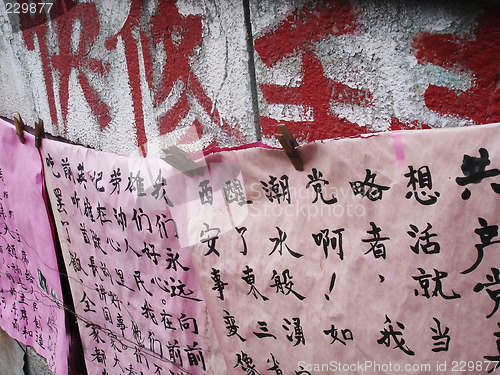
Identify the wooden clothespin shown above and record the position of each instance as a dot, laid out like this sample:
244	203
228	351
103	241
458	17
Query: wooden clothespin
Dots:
39	133
19	128
181	161
289	146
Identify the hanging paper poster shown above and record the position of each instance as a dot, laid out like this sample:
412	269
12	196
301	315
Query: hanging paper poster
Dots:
138	303
381	256
30	289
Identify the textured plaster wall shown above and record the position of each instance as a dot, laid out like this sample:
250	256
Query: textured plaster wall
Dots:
343	68
133	77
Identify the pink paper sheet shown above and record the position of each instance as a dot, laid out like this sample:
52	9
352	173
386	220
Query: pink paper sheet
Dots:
30	288
367	262
380	257
137	298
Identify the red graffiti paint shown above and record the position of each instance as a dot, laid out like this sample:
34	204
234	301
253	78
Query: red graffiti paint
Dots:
479	55
65	14
397	124
142	35
179	36
297	34
303	28
132	59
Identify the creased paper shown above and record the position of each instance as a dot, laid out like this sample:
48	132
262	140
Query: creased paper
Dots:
139	306
30	289
381	256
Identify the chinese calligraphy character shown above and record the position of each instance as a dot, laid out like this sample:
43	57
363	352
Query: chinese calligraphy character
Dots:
174	352
136	183
87	301
95	178
173	290
334	241
210	239
486	234
161	224
99	355
246	363
160	184
474	170
115	180
121	218
138	217
317	182
443	345
423	177
387	335
95	331
297	333
80	177
50	163
60	204
148	312
374	191
218	284
377	248
165	319
495	358
285	286
249	278
87	210
139	282
231	326
276	365
234	192
279	241
277	190
173	261
206	193
427	246
101	214
186	323
423	280
264	331
195	355
75	262
149	250
241	231
67	169
494	279
334	334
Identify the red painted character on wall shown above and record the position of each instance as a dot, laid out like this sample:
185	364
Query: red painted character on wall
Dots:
297	35
478	54
64	15
144	33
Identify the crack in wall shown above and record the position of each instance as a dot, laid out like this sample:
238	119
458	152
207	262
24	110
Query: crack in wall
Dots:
251	70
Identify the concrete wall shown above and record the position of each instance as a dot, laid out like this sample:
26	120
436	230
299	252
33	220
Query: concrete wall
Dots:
133	77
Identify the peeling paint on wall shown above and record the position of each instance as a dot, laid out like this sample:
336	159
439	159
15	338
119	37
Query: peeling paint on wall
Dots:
134	77
373	67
